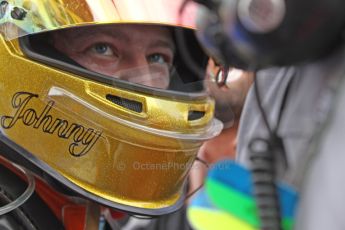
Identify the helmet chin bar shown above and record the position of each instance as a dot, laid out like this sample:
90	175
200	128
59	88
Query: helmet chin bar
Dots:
11	151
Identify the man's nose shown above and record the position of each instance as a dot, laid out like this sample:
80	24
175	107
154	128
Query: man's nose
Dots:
132	69
139	70
135	61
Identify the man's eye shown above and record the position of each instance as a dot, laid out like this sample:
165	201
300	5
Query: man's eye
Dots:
102	49
156	58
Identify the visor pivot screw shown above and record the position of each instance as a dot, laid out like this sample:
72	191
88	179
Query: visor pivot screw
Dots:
18	13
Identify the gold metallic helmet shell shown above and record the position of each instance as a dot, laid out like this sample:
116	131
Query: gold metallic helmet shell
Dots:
121	144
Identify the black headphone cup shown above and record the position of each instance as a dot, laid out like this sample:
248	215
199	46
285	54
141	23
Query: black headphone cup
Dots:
261	33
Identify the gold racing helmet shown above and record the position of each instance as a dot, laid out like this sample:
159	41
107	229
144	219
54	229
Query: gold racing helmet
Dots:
123	143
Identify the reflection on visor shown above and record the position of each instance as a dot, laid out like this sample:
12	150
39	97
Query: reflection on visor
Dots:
21	17
154	75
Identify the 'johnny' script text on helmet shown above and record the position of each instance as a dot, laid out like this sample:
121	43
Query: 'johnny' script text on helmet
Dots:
83	138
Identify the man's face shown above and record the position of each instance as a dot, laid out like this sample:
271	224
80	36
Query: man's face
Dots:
137	53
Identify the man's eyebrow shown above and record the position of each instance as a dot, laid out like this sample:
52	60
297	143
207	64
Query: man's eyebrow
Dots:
162	43
90	32
118	34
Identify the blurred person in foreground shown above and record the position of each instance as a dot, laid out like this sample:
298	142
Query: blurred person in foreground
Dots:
292	125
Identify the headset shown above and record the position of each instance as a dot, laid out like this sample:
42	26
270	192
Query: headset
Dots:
254	34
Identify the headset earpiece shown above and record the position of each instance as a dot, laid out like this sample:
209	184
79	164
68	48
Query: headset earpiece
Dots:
261	16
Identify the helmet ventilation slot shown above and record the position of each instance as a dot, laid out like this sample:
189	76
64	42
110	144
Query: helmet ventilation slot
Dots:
195	115
135	106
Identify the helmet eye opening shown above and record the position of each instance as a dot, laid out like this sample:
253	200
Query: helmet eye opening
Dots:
182	84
